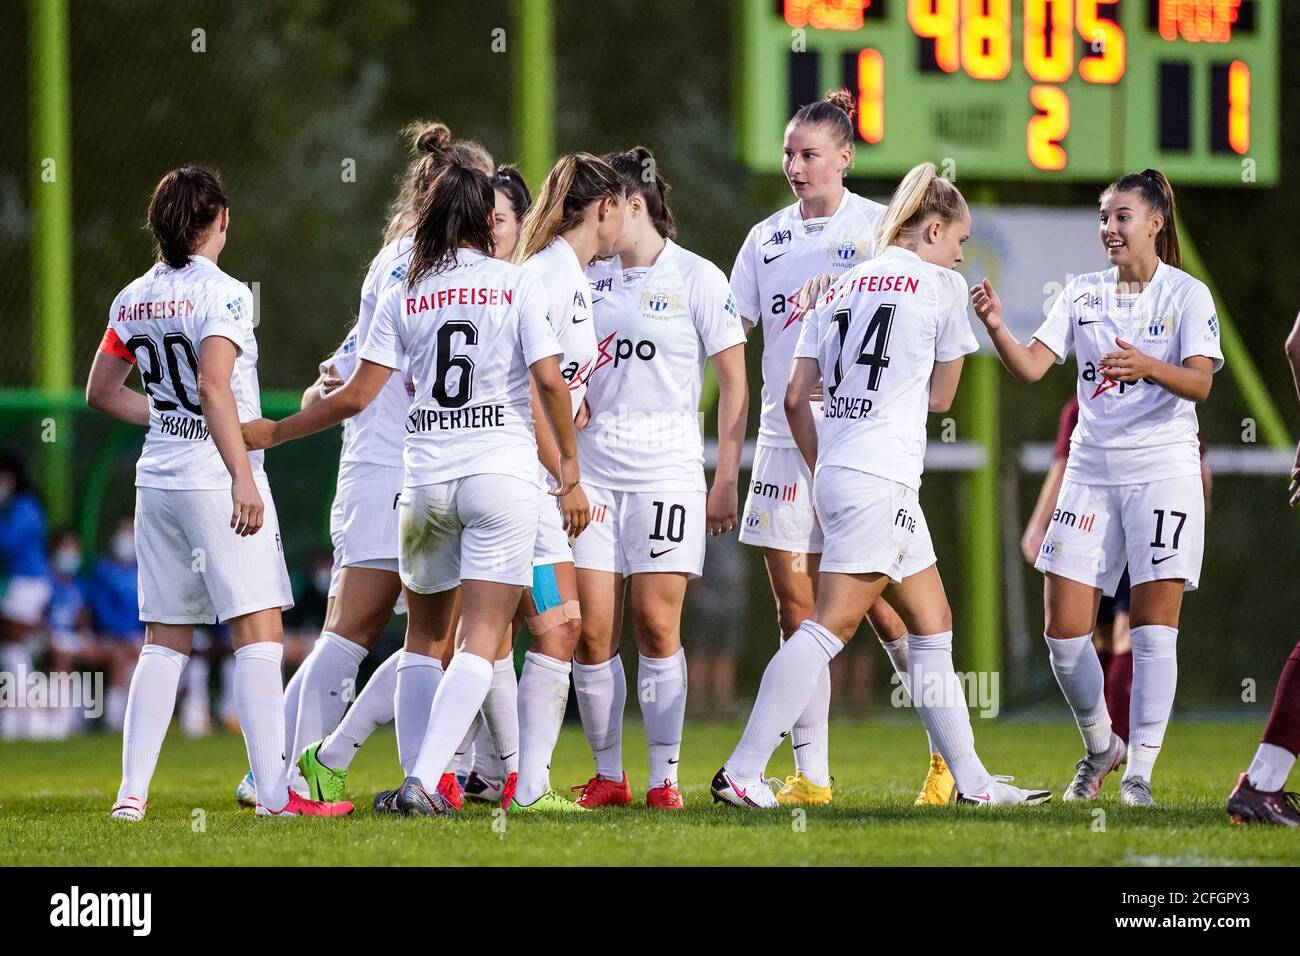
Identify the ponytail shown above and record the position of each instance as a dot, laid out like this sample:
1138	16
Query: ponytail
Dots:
920	195
1158	194
835	111
456	212
573	184
433	149
184	205
639	173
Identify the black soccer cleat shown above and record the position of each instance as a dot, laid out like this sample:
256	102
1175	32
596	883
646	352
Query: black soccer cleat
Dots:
1248	805
413	800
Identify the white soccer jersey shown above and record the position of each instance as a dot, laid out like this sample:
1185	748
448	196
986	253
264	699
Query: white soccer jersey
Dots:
1132	433
570	309
877	335
655	327
158	323
780	254
469	334
375	434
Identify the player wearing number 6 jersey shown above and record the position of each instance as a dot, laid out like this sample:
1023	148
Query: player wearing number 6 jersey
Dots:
470	329
1146	339
888	341
207	538
660	313
827	231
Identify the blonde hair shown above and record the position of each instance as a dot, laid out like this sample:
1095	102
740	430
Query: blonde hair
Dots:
433	149
921	194
573	184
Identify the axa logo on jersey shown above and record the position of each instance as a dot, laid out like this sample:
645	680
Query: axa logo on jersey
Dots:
778	238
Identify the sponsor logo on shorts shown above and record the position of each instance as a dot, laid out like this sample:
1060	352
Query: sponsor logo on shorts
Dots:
598	513
904	521
767	489
1069	518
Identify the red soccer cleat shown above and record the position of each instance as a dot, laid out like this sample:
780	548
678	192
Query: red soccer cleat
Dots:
601	792
451	790
300	806
665	797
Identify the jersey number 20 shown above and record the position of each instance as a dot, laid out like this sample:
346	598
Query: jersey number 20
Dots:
153	375
874	343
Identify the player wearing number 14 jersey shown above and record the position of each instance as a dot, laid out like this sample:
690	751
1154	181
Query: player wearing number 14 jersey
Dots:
888	341
207	537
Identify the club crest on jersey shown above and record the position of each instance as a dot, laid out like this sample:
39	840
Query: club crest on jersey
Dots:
846	252
659	304
778	238
1160	328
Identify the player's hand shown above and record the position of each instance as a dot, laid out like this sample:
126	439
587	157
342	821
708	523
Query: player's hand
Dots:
575	511
1294	490
246	507
330	381
569	476
1128	364
812	290
258	434
583	418
988	307
720	508
1031	542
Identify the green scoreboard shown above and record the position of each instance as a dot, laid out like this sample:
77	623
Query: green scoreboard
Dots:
1075	90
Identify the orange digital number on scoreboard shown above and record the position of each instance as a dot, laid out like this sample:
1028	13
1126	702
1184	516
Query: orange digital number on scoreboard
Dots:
825	14
1199	21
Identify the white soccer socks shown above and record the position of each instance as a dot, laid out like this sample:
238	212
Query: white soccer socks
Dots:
149	707
543	696
1078	671
418	677
259	701
601	690
661	688
1155	678
373	708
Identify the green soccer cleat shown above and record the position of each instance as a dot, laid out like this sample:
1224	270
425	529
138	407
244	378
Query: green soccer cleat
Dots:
549	802
322	783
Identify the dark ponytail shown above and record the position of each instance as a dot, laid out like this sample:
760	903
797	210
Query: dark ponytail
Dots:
836	111
511	182
184	206
456	212
1156	192
639	172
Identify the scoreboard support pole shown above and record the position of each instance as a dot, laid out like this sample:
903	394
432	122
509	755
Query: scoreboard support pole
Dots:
535	89
982	545
52	242
1272	427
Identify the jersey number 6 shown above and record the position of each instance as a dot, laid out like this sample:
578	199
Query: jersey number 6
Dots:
874	343
448	360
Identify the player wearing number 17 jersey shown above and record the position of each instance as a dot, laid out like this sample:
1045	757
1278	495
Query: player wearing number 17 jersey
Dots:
1146	340
888	341
207	538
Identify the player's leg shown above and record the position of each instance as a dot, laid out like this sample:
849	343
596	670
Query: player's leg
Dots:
1259	796
598	678
656	601
1119	666
496	760
555	624
1164	522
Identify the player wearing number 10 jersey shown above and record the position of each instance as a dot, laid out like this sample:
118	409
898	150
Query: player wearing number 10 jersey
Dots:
888	341
207	537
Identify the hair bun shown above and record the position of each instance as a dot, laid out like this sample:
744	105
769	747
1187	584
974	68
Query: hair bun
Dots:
842	100
430	137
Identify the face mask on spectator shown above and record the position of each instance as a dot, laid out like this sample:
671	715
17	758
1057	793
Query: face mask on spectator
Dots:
123	547
67	562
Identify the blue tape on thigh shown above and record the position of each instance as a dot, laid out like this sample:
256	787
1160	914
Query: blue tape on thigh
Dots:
546	588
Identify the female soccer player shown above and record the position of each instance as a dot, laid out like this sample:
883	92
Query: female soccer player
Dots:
1146	340
826	231
363	520
207	536
469	328
578	216
888	342
660	312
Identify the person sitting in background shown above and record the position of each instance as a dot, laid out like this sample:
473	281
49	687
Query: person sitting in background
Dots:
71	640
23	563
115	606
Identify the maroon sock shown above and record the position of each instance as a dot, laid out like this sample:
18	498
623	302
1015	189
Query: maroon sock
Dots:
1104	657
1283	727
1119	685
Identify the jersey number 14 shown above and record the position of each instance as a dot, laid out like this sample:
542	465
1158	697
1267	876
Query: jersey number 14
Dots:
874	342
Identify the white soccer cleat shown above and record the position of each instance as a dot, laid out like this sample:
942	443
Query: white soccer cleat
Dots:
1000	793
726	789
1092	770
131	809
246	792
1136	792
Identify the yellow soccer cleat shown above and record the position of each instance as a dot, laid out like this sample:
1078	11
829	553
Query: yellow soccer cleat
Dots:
799	789
939	785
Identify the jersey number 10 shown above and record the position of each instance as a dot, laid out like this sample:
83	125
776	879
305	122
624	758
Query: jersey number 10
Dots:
874	343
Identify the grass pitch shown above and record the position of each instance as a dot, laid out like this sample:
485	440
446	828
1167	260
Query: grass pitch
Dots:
54	799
